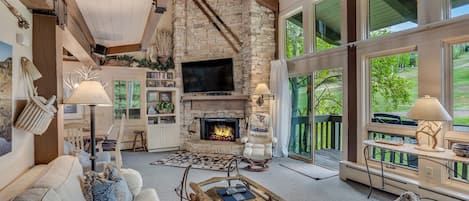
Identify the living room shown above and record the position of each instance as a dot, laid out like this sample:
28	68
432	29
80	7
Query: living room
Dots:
234	100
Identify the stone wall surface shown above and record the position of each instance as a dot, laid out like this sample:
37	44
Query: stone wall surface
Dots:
196	39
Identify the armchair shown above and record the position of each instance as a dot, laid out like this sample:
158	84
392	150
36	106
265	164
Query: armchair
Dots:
258	142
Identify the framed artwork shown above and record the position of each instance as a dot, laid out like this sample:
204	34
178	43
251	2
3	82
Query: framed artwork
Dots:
72	111
6	99
165	96
152	96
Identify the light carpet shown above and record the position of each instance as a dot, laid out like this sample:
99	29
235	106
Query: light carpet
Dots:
217	162
311	171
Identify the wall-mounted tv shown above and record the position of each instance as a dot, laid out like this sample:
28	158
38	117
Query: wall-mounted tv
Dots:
208	76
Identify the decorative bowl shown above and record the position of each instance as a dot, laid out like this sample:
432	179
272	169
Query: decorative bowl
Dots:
461	149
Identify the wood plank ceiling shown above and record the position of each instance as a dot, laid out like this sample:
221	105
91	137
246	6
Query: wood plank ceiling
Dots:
116	22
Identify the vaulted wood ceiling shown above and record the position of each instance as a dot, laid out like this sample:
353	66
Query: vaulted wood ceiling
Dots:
118	22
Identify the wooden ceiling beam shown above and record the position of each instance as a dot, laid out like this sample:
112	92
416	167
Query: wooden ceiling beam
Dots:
124	48
270	4
152	23
77	38
74	16
39	4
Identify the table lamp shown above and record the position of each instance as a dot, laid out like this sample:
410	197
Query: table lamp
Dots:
430	114
261	90
90	93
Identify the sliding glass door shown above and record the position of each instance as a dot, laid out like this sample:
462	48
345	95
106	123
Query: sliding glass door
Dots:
300	132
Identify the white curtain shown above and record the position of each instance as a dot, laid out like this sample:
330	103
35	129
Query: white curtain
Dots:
281	106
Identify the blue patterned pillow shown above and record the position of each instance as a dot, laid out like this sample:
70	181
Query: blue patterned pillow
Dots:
121	190
98	188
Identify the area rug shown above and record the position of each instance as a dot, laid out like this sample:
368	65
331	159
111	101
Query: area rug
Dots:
311	171
217	162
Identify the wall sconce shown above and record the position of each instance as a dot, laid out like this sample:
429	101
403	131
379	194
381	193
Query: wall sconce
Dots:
263	91
430	114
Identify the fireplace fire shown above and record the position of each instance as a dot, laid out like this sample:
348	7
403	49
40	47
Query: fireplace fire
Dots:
219	129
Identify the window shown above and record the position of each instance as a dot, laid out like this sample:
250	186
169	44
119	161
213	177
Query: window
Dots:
127	99
393	88
391	16
460	57
459	7
327	24
294	36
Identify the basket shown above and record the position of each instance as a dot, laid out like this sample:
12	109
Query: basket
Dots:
38	112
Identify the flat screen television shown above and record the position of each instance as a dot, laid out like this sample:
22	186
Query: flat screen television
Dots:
208	76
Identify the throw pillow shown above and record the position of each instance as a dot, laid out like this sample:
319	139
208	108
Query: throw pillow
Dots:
121	190
97	188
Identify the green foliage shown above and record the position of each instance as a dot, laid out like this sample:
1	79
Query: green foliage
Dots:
388	88
294	40
165	107
145	63
328	92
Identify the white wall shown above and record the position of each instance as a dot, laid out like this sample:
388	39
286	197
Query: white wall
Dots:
22	157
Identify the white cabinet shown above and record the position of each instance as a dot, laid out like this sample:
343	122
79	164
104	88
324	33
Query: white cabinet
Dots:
163	137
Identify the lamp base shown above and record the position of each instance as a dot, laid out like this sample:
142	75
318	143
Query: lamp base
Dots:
429	149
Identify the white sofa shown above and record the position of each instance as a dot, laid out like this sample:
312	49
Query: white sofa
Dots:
60	180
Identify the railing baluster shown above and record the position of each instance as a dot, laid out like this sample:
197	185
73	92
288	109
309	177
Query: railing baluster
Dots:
333	135
464	171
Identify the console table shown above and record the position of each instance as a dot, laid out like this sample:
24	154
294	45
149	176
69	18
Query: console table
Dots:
446	155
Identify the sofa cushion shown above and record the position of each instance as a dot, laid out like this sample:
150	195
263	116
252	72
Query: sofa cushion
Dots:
63	176
38	194
134	180
147	195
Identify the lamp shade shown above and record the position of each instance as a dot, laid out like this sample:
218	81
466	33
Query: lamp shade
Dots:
262	89
428	108
89	93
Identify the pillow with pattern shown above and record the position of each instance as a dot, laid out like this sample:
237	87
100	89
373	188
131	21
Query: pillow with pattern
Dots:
121	190
97	188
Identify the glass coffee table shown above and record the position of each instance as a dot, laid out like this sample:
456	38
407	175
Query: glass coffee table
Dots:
208	190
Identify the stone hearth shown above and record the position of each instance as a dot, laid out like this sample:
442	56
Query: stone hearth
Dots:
219	147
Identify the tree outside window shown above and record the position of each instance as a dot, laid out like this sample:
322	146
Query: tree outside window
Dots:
127	99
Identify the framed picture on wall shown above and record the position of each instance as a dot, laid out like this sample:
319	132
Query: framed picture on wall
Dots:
72	111
6	119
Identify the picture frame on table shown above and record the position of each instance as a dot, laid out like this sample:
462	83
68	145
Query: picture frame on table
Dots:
165	96
152	96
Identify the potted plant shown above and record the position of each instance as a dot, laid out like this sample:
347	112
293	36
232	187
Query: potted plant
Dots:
165	107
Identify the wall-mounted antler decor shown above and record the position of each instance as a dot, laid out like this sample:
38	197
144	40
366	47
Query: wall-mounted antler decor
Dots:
22	22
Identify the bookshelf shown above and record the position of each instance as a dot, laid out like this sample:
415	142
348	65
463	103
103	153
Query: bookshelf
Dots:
162	111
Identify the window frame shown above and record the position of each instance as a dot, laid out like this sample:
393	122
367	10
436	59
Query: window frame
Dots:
451	134
343	27
379	127
141	117
283	27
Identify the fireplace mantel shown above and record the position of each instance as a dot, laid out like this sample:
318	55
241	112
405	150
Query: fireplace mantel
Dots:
215	98
211	103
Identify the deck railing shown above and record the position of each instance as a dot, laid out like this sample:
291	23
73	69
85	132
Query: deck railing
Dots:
327	133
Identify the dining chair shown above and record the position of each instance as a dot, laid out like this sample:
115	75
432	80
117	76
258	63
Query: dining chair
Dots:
114	145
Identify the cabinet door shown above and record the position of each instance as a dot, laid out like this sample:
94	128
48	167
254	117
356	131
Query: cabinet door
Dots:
154	140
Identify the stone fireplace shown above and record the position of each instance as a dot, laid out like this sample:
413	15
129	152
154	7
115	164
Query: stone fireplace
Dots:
219	129
195	39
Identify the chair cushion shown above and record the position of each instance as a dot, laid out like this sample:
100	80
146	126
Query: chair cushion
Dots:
38	194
